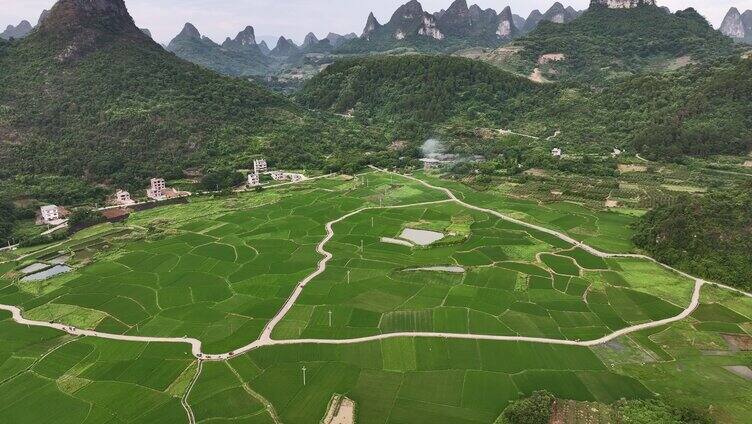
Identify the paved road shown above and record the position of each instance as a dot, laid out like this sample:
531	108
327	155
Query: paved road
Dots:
266	339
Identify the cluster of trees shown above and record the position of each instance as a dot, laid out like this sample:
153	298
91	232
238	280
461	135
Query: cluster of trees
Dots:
713	117
658	412
82	218
709	236
10	215
7	221
538	409
535	409
220	179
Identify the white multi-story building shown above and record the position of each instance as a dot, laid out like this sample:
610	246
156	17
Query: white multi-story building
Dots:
556	152
157	189
50	213
278	175
122	197
254	180
259	166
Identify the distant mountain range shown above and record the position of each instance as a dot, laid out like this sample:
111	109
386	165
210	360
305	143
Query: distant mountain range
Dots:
244	55
410	27
22	29
240	56
613	39
738	25
458	25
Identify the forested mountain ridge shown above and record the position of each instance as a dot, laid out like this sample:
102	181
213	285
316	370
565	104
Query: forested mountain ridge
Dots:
426	88
88	95
606	43
459	26
697	111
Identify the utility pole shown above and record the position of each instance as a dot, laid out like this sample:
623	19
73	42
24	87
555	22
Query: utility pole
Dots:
304	370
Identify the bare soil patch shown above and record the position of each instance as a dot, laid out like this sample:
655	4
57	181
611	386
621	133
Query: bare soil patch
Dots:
536	172
551	57
573	412
537	76
738	342
396	241
623	168
341	411
679	63
398	145
740	370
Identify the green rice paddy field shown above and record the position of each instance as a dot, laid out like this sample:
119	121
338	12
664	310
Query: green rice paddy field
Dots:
220	269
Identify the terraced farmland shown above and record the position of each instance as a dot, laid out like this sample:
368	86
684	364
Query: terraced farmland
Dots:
308	282
515	281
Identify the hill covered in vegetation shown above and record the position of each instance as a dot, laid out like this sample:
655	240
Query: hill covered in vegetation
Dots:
710	236
605	43
697	111
424	89
88	96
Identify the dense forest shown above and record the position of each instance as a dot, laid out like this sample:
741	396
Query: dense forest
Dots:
710	236
604	43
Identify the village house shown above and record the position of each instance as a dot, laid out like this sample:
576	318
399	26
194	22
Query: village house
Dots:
429	164
50	213
616	152
556	152
296	178
123	198
157	189
278	175
259	166
254	180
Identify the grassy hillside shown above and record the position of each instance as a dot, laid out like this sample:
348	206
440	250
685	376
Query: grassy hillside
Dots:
606	43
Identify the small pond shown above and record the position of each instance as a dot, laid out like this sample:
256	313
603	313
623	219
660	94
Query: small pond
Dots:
47	273
421	237
33	268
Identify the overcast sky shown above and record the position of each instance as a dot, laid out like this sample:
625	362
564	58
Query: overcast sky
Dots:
218	19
